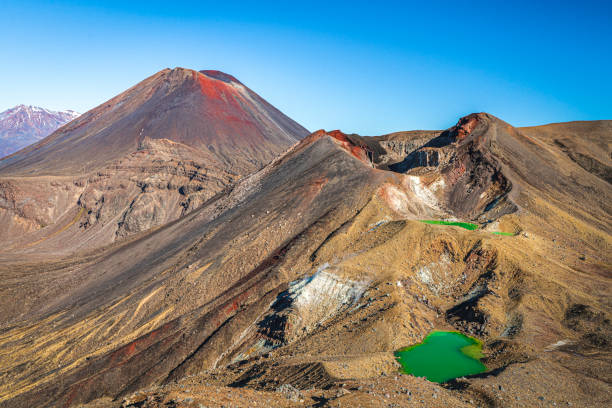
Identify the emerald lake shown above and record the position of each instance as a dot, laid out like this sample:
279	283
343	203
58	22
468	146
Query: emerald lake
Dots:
466	225
442	356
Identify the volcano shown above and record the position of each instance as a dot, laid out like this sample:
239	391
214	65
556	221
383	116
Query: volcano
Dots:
144	158
209	111
296	285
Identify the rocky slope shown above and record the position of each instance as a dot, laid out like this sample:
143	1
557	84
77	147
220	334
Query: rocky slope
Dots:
23	125
142	159
295	285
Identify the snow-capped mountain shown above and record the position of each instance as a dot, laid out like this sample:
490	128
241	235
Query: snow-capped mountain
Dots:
23	125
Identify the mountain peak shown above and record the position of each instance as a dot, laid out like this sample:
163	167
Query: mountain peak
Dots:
222	76
23	125
34	110
180	72
205	110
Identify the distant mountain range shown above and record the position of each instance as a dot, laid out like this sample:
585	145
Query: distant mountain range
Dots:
25	124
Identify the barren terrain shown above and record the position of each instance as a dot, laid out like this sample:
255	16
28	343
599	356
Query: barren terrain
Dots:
293	285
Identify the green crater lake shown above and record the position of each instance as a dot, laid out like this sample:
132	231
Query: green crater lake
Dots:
510	234
466	225
442	356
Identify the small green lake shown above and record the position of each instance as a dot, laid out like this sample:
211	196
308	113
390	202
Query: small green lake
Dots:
466	225
442	356
510	234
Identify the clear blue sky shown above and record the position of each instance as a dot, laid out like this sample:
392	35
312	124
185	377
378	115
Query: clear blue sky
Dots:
352	65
